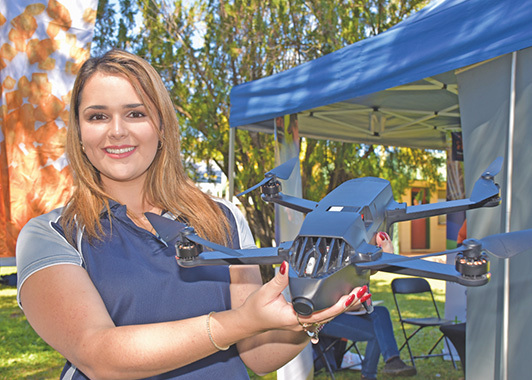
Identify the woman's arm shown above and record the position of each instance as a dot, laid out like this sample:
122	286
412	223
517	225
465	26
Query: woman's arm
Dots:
66	310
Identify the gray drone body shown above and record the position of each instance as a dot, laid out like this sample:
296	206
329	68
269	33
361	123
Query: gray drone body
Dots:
333	237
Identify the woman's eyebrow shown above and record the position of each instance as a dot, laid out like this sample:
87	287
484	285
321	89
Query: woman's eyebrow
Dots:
134	105
96	107
102	107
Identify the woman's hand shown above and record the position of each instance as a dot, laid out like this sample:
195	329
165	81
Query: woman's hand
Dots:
268	309
382	239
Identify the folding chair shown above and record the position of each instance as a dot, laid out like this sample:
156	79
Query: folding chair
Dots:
329	352
405	286
457	335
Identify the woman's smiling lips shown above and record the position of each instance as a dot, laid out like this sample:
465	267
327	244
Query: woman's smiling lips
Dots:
119	151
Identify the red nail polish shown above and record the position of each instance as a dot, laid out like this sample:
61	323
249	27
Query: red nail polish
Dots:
282	269
366	297
361	292
350	300
383	235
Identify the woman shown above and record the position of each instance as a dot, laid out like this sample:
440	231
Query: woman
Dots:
100	287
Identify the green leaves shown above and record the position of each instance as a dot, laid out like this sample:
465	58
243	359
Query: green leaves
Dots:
203	48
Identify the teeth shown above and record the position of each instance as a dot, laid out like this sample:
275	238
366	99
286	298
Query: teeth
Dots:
120	150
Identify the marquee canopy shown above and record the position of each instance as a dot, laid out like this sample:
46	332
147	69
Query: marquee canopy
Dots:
397	88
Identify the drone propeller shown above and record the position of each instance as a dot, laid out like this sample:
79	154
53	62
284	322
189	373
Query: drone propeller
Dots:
508	244
168	230
494	168
282	171
485	188
173	232
209	244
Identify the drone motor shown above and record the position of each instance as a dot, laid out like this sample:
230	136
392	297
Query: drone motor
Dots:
477	266
271	188
185	248
472	263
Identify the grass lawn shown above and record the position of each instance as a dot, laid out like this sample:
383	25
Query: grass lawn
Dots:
23	355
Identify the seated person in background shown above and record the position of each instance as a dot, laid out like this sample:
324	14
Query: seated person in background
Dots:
462	233
376	329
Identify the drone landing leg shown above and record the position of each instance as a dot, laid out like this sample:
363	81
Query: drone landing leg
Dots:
368	307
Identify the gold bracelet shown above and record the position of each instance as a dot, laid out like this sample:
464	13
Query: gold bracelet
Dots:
312	329
208	320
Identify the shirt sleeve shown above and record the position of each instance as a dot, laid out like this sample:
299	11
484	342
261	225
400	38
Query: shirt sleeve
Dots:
245	237
40	245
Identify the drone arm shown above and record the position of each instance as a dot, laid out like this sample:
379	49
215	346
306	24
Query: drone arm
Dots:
254	256
422	273
430	209
294	203
399	214
485	194
422	268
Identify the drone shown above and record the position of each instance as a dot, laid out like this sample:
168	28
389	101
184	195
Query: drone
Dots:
332	252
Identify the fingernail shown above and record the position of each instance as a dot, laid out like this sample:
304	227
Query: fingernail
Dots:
361	292
383	235
349	300
366	297
282	269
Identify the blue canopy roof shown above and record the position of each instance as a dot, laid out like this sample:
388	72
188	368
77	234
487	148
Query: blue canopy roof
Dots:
396	88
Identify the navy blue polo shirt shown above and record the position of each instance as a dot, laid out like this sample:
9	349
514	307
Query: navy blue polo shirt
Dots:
139	280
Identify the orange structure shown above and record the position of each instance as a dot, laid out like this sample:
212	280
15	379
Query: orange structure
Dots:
42	45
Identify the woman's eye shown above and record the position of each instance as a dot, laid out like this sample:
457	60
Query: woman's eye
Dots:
137	114
97	116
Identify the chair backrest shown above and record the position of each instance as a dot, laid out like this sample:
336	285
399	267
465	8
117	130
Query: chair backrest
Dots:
410	285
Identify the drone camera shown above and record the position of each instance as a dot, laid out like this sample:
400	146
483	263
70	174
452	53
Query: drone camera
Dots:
303	306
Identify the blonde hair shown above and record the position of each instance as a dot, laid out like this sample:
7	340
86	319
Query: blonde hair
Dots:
167	185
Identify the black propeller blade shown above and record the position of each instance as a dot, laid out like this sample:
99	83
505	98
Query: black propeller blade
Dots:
172	231
485	188
168	229
508	244
494	168
266	179
282	171
215	247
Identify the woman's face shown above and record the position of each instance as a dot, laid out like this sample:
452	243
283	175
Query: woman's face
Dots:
118	136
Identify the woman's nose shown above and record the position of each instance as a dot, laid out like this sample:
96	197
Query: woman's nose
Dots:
118	128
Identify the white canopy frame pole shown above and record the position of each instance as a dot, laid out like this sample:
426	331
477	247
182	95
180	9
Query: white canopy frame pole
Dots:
508	198
231	166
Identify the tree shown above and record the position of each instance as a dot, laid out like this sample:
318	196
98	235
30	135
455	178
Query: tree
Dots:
203	48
